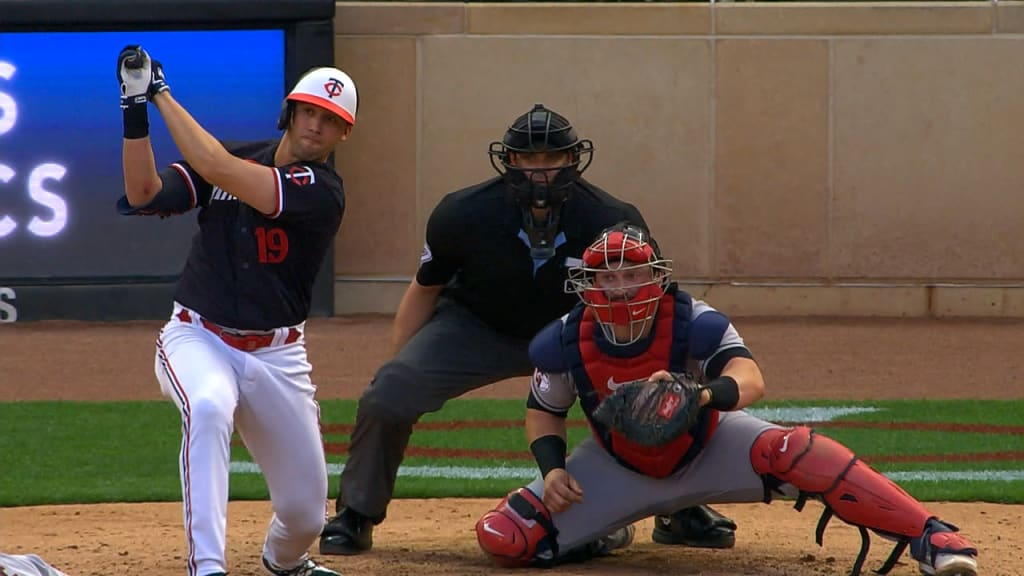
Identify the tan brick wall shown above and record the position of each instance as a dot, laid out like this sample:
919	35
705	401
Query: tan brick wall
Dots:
810	158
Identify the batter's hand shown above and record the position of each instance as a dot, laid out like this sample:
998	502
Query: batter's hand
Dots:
159	83
561	491
134	72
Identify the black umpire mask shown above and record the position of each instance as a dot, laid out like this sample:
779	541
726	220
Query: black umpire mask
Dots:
541	192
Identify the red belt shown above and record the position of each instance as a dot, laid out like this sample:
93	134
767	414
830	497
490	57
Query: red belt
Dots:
238	340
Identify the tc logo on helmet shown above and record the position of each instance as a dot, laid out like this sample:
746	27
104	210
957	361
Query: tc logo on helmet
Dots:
334	87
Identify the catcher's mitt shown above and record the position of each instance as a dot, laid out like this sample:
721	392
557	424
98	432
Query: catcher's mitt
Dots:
652	413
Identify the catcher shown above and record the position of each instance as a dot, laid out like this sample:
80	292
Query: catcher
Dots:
662	379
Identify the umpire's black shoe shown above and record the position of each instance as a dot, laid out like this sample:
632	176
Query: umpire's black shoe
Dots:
700	527
347	534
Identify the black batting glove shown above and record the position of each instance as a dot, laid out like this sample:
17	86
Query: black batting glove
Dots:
134	72
159	82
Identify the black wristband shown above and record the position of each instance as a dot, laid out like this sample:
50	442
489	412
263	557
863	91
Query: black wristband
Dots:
725	393
549	451
136	122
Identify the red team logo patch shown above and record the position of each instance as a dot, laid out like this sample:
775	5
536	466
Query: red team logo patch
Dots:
300	175
668	406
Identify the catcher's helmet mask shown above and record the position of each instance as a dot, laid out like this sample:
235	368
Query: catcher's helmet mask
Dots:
325	87
626	310
540	192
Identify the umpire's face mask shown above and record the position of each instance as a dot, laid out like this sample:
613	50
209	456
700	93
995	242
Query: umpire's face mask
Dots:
541	184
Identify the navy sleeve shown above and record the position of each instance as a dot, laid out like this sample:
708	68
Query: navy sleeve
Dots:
182	191
706	332
309	191
546	348
442	253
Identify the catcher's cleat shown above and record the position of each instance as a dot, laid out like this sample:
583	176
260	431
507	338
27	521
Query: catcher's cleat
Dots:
347	534
598	548
941	551
617	540
698	527
306	568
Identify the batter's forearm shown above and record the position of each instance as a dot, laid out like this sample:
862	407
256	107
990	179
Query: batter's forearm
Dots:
141	180
249	182
199	148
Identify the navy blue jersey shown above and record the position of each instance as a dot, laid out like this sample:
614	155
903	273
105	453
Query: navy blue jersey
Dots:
476	245
249	270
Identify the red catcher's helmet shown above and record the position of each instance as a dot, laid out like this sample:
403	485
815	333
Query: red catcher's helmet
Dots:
328	88
622	277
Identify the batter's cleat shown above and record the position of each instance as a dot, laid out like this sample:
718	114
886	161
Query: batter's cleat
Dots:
698	527
306	568
347	534
942	551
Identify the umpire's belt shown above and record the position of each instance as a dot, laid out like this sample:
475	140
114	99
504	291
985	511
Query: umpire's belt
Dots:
246	341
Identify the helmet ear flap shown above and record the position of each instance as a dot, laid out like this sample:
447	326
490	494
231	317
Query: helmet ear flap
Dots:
286	115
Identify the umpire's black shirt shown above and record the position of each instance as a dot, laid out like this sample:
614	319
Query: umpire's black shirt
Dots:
476	245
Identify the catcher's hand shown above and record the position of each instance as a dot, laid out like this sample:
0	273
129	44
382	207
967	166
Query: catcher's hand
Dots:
652	413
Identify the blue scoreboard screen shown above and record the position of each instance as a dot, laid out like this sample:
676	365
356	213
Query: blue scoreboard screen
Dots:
61	135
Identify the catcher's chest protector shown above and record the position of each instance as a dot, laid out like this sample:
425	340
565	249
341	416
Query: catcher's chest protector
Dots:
597	375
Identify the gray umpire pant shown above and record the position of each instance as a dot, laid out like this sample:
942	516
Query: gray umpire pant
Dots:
453	353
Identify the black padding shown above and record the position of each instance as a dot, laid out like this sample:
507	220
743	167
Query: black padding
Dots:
286	115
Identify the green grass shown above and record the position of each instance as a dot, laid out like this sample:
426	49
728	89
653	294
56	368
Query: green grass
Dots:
79	452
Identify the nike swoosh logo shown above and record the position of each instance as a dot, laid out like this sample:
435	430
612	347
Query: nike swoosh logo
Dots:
613	385
785	444
488	528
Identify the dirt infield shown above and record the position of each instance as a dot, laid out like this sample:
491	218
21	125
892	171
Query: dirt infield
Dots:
853	359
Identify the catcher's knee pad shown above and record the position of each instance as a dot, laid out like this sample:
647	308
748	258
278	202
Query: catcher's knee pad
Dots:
513	533
858	494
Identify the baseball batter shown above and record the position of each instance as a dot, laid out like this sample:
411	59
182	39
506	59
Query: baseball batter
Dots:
633	324
232	356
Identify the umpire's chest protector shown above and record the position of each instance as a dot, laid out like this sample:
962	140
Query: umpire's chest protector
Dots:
598	369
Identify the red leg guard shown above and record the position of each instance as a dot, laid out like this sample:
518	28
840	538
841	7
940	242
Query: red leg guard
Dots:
510	533
857	493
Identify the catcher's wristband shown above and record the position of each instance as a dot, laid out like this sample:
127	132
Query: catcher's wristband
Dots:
136	121
549	451
725	393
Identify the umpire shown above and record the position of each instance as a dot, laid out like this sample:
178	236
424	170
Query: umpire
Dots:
492	274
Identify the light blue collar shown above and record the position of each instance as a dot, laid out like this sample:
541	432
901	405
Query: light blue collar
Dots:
538	262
